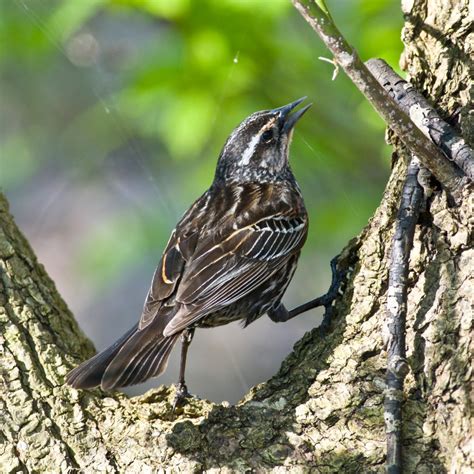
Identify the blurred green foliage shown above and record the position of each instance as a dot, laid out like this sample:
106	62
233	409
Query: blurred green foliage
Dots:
84	83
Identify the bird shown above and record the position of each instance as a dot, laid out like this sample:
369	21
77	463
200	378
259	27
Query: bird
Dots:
230	257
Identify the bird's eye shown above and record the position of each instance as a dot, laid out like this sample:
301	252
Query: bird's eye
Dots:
267	136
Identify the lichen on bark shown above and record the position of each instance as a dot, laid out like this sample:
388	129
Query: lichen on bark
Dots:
323	411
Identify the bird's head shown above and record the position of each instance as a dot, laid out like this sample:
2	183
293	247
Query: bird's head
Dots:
257	150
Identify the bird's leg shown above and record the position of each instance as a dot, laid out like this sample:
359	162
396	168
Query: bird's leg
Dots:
281	314
181	388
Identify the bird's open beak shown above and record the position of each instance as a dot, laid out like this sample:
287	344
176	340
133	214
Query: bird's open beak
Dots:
288	121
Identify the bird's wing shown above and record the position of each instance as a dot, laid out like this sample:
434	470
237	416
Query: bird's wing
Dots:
178	251
222	272
167	275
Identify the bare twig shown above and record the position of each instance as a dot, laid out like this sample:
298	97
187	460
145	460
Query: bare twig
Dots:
424	115
320	20
397	367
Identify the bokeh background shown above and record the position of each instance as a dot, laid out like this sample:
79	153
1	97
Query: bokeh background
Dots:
113	113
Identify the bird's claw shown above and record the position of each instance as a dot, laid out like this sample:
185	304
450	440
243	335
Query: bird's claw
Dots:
181	395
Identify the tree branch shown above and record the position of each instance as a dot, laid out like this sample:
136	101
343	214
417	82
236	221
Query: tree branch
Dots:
425	117
422	147
397	367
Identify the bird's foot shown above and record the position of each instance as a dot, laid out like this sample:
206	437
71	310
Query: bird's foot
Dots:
327	300
181	395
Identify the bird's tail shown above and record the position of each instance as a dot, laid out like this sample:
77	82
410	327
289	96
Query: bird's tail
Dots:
137	356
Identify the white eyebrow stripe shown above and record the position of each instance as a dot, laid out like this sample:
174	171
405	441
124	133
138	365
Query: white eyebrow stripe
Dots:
248	153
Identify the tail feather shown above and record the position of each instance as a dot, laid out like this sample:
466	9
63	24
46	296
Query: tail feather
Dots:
137	356
139	360
89	373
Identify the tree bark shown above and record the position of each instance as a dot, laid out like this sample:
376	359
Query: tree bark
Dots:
323	411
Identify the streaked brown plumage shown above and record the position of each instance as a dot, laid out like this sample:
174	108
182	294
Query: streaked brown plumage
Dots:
230	257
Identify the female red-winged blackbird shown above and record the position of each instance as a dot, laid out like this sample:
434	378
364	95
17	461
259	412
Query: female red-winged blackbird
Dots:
230	257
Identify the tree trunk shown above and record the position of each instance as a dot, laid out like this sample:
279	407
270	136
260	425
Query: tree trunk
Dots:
323	411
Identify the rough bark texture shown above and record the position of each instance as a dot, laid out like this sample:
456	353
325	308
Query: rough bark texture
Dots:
323	411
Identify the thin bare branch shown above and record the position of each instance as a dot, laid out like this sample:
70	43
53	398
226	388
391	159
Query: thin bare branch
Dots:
397	367
425	117
428	153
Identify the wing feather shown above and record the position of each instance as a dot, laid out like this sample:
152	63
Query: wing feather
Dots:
204	269
224	272
165	278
